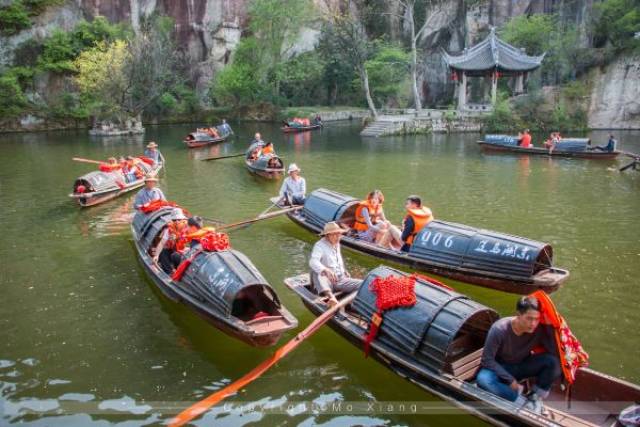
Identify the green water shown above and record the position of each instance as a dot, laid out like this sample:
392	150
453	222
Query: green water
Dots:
86	339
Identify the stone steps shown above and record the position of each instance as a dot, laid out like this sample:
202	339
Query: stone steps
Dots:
385	125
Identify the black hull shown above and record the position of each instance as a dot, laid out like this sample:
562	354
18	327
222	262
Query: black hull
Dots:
234	329
502	283
536	151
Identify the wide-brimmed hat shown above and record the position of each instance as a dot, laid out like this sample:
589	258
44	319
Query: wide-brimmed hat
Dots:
151	178
152	144
178	215
293	168
332	228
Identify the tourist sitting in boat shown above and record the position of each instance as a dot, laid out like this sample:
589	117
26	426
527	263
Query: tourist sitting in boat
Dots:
153	153
508	357
213	132
173	242
553	140
149	193
524	139
417	218
317	120
268	149
294	187
371	224
328	274
610	147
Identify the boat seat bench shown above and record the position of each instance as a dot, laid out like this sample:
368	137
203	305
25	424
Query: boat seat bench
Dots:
466	367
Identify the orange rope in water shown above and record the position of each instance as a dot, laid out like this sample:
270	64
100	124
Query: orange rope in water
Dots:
202	406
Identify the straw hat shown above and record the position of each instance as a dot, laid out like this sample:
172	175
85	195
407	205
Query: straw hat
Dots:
332	228
152	144
151	178
293	168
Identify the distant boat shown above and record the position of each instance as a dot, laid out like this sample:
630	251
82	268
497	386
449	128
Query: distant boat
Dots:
291	129
98	187
437	345
224	287
567	147
480	257
204	137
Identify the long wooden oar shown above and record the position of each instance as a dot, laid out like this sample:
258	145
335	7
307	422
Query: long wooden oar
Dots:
630	165
80	159
202	406
260	218
223	157
271	206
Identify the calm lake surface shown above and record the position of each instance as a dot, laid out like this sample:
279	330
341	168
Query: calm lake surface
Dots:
85	339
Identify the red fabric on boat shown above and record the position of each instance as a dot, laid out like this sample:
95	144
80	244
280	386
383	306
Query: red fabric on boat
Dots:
391	292
157	204
210	242
146	160
572	355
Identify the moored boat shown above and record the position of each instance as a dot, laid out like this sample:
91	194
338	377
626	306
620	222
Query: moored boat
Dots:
100	186
566	147
481	257
267	166
207	136
291	129
222	286
437	344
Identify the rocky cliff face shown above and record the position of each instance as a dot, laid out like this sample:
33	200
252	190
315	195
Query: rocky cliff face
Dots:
615	95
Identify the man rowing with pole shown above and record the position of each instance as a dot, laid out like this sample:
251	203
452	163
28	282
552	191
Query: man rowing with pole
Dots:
149	193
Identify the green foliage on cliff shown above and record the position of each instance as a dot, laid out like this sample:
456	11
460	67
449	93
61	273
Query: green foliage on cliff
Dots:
616	22
12	100
14	18
62	48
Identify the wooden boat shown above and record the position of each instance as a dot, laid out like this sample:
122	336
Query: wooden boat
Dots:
202	139
437	344
480	257
292	129
567	147
224	287
267	166
100	187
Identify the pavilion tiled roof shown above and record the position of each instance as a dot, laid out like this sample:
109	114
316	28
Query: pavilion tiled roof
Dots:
493	53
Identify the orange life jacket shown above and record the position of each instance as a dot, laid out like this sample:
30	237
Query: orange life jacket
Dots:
198	234
177	237
267	149
108	167
374	215
421	217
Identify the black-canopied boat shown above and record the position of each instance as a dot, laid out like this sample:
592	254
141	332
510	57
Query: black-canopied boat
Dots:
98	187
293	129
224	286
481	257
437	344
567	147
267	166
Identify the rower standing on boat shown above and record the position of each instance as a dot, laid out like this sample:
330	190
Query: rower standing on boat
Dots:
225	128
294	187
253	152
417	218
328	273
149	193
153	153
507	358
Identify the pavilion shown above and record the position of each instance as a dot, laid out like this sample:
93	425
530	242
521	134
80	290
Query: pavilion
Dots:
491	58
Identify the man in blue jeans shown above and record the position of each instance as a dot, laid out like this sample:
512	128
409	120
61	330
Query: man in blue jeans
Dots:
507	357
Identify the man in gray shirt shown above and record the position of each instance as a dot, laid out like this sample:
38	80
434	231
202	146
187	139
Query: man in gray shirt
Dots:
507	357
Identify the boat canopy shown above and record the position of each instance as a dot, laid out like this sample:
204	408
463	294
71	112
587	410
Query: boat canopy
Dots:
462	246
322	206
222	278
99	181
445	243
441	327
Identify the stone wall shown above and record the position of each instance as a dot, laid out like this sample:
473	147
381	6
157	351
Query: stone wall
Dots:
615	95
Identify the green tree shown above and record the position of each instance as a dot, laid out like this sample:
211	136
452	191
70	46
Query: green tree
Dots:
617	22
13	100
14	18
388	70
275	24
302	78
